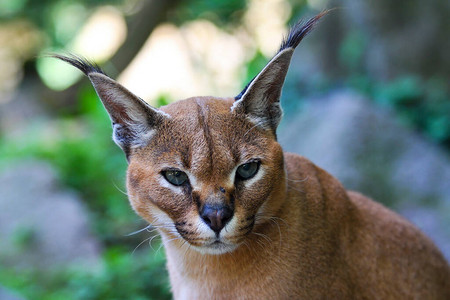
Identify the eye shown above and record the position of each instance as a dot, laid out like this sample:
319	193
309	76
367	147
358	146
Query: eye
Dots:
175	177
248	170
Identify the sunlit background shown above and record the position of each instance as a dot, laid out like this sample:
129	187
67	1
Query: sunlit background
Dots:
366	97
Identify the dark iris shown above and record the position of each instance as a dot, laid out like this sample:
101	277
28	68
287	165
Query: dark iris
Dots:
247	170
175	177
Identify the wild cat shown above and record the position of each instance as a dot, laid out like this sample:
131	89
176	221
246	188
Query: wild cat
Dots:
241	219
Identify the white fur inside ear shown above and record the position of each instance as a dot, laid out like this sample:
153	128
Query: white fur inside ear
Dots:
260	101
236	104
259	121
166	115
264	78
132	117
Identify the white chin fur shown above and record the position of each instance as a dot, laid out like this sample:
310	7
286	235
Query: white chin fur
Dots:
215	249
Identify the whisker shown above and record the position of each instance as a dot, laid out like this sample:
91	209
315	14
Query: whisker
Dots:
151	240
162	244
263	236
279	232
140	230
246	244
119	189
282	220
261	216
298	180
232	257
132	253
260	243
293	188
188	246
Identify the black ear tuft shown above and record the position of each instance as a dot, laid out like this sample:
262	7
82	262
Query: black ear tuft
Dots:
299	31
291	41
81	63
134	121
260	99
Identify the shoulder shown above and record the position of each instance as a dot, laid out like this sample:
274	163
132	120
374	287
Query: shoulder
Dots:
294	162
299	166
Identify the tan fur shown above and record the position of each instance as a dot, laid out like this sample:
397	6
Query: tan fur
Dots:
312	239
289	231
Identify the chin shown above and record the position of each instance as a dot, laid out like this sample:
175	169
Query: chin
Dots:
215	248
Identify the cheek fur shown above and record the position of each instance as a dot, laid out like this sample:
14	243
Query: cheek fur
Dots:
254	192
156	194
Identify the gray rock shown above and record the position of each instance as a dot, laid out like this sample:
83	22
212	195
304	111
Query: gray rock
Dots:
8	295
42	225
368	151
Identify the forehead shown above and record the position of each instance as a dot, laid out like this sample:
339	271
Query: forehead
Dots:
201	118
188	106
204	136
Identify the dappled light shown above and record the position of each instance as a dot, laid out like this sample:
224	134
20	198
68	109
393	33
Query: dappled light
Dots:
19	40
196	59
265	20
99	38
101	35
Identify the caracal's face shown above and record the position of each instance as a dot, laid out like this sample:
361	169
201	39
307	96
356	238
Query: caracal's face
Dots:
207	175
203	170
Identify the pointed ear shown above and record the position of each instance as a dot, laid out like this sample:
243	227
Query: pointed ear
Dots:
134	121
260	99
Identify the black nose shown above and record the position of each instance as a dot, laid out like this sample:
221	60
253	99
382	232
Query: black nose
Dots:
216	216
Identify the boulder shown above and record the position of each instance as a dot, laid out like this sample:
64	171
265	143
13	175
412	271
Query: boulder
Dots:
42	224
6	294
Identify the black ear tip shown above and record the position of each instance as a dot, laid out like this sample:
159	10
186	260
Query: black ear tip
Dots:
300	30
291	40
81	63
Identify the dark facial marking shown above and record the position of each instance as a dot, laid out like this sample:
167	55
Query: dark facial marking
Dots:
196	199
202	120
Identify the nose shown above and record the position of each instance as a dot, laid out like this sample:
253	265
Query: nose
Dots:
216	216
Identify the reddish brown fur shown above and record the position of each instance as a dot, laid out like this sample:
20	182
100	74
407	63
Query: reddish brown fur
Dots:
294	231
314	241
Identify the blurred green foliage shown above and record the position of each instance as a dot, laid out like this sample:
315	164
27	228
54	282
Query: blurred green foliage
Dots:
121	275
60	20
222	13
88	161
421	103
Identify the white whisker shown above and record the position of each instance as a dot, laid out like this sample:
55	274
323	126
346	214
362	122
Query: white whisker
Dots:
293	188
151	240
119	189
263	236
298	180
140	244
140	230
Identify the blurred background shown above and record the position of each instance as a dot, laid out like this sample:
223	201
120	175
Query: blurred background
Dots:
367	98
